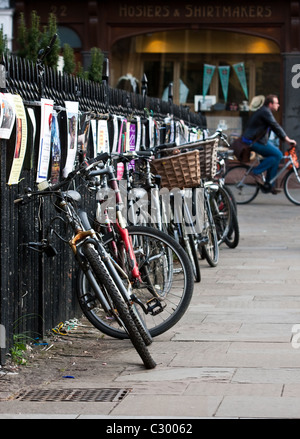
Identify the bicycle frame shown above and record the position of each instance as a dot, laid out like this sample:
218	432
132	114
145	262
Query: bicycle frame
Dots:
89	235
279	173
286	166
120	222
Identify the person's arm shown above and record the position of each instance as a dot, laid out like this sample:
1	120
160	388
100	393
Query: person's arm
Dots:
274	125
290	141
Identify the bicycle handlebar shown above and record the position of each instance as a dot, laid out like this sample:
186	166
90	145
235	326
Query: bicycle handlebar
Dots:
130	155
47	189
217	133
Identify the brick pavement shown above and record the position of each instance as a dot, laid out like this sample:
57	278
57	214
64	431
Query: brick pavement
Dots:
233	355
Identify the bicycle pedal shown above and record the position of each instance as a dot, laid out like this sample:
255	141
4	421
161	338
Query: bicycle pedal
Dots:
155	306
265	188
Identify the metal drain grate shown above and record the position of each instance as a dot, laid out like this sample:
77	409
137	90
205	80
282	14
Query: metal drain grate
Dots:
74	395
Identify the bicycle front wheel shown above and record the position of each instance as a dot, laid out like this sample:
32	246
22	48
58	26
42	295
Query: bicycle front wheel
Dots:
211	248
233	237
166	288
221	207
292	186
119	307
243	187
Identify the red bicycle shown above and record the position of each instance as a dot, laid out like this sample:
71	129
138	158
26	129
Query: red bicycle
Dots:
151	263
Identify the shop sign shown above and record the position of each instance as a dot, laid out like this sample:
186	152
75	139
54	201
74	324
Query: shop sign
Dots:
192	11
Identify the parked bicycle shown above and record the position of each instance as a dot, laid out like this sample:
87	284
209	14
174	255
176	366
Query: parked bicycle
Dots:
178	166
157	268
246	188
102	273
225	212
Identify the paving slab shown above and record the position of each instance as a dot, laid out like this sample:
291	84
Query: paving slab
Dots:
192	406
234	354
259	407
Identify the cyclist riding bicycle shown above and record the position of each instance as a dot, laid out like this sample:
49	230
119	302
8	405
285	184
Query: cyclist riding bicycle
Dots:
261	123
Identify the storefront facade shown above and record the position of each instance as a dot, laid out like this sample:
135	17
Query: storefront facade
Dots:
252	48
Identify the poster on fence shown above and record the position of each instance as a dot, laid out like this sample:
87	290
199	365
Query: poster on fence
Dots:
83	133
130	144
115	133
31	135
7	115
122	135
21	141
45	140
94	136
72	129
138	133
121	145
103	139
55	150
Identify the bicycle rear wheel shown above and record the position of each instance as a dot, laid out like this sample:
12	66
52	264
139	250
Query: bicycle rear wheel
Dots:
233	237
210	250
243	187
291	186
188	242
120	309
191	250
222	213
167	283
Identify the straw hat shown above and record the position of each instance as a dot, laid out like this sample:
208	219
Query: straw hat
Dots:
257	102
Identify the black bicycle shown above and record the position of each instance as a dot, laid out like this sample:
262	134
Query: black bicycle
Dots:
95	262
152	264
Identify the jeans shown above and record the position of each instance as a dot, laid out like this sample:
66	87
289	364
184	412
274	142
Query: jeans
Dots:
272	156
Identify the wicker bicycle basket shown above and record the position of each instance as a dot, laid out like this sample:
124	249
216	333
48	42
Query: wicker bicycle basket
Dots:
207	160
179	171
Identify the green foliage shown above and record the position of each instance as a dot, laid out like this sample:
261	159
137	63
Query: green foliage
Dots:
48	32
69	59
22	37
80	71
20	347
3	42
17	353
95	69
31	39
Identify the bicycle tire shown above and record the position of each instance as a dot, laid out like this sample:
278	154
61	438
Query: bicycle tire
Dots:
291	186
193	255
103	278
231	196
177	297
243	191
189	237
222	213
188	244
131	306
233	237
211	249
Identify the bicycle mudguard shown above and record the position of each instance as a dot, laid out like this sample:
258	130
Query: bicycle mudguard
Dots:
84	218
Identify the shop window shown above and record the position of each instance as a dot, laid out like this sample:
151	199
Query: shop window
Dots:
267	77
68	36
235	92
192	76
179	57
159	75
